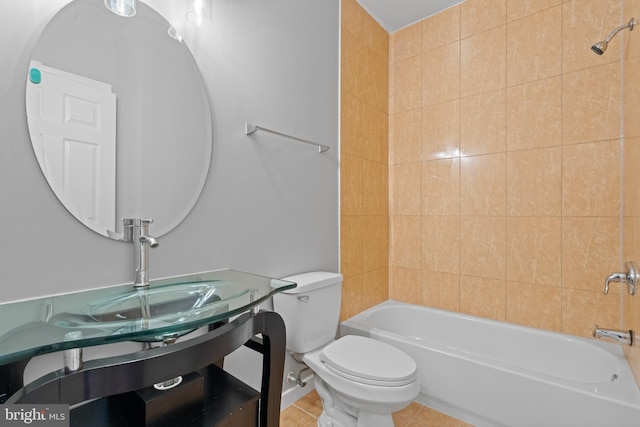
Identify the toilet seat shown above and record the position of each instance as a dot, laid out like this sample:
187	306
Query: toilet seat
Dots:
368	361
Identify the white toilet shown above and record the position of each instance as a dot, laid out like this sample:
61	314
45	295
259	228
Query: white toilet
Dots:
361	380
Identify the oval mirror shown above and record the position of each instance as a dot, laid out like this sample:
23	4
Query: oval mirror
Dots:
119	117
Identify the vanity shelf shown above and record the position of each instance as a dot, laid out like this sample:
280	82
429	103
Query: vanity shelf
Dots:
105	378
229	402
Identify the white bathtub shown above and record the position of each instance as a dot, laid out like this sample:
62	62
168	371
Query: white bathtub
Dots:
497	374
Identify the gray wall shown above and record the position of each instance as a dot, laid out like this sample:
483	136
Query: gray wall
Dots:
268	207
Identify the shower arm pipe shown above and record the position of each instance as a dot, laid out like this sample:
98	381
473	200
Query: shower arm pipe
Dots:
250	129
632	22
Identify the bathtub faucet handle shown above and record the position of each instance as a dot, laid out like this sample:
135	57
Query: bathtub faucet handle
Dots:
630	277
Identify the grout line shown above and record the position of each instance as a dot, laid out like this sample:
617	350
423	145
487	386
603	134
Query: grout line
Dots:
306	412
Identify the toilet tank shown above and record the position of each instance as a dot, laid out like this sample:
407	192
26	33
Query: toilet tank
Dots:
311	311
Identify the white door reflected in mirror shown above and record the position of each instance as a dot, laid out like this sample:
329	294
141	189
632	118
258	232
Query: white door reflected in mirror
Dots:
72	121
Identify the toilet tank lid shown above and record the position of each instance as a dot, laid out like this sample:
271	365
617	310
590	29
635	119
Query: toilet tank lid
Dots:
311	281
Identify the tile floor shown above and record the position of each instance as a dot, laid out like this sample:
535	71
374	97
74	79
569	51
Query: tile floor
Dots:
305	413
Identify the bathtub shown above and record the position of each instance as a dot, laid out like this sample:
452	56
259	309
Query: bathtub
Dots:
497	374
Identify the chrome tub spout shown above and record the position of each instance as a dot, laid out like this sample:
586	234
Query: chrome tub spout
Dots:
616	335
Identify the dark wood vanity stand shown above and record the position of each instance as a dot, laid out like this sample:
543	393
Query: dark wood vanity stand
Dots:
118	391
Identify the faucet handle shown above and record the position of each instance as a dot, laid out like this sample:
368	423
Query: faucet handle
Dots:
630	277
130	223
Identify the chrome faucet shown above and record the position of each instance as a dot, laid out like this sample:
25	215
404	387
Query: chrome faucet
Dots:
615	335
136	230
631	277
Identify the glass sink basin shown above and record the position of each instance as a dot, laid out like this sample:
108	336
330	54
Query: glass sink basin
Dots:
161	307
170	307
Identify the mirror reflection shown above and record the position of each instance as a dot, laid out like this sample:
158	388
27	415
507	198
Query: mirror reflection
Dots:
119	117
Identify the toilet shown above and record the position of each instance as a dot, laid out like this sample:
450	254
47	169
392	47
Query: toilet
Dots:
361	381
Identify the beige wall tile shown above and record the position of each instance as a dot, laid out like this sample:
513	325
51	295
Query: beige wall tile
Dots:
631	44
534	250
632	314
591	104
352	296
534	305
534	50
517	9
406	85
352	125
482	184
441	187
483	62
358	22
405	241
581	310
350	62
441	130
632	96
441	74
363	74
405	189
483	297
405	285
376	134
364	134
591	179
350	185
375	195
441	29
405	136
534	113
375	242
482	250
441	290
585	22
481	15
590	252
376	287
534	182
373	88
441	243
405	43
351	245
631	237
483	123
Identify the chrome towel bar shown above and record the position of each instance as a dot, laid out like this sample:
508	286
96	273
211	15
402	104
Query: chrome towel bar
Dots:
250	129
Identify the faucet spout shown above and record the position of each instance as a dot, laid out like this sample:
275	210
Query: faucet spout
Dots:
615	335
149	240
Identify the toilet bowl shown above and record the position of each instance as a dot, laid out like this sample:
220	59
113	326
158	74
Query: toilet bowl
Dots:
361	381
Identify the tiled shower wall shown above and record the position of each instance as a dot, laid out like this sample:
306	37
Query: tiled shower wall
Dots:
505	162
364	196
505	171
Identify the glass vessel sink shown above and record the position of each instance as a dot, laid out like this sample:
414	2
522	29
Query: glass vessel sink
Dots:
161	306
168	308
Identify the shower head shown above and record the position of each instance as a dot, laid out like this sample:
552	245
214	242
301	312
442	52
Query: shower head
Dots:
601	47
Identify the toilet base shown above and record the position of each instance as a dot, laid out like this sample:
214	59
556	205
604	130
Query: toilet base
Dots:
337	413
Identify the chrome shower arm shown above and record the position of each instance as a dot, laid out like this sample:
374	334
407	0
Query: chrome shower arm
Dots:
632	22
